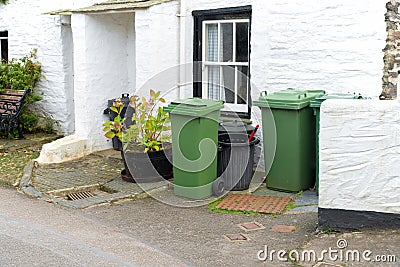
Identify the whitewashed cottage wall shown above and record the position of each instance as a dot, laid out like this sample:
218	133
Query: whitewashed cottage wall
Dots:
29	28
332	45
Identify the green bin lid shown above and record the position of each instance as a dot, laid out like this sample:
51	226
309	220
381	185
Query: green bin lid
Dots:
288	99
316	103
194	106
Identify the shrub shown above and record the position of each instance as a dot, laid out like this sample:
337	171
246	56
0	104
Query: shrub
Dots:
22	74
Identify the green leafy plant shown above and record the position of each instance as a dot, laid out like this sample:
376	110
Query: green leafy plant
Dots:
149	124
3	1
22	74
29	122
114	128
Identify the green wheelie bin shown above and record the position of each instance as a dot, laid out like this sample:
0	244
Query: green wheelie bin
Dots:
293	163
194	125
316	104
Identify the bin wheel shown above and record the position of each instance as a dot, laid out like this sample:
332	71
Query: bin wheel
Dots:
218	187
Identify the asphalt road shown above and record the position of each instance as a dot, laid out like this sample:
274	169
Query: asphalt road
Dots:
37	233
144	232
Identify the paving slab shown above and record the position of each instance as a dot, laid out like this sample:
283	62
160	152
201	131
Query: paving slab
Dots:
307	198
104	168
303	209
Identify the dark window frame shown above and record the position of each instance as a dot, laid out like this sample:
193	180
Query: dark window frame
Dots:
242	12
4	46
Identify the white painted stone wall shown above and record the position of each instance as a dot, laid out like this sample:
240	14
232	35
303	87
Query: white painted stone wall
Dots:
157	49
360	155
28	28
332	45
102	59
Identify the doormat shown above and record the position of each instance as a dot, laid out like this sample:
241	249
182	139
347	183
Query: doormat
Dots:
261	204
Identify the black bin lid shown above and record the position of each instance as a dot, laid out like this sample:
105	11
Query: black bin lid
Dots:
235	127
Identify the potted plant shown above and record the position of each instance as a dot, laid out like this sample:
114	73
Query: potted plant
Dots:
147	152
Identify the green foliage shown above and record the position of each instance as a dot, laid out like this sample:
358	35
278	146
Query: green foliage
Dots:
29	122
22	74
150	122
3	1
114	128
47	125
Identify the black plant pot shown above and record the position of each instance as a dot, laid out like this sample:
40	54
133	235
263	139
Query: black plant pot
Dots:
148	167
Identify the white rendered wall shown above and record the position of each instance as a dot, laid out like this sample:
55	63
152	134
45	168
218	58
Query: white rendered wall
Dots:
68	68
359	155
29	28
157	49
332	45
101	69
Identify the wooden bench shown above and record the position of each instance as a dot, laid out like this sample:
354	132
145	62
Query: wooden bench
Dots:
11	102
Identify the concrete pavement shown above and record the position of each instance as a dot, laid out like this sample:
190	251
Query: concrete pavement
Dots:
37	233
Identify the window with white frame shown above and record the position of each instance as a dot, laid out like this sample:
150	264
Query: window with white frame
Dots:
222	47
4	45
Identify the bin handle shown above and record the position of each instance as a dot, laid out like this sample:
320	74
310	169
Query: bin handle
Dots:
305	95
263	93
125	95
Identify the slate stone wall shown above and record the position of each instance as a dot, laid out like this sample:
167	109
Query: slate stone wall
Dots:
391	57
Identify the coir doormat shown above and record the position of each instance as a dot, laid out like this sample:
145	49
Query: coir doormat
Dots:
262	204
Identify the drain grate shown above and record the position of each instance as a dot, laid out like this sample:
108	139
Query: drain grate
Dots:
80	195
81	192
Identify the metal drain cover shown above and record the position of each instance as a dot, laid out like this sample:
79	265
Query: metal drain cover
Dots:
251	226
80	195
81	192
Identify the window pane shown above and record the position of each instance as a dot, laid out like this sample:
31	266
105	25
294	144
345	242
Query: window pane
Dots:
242	42
228	79
4	50
4	46
242	80
212	42
213	82
226	42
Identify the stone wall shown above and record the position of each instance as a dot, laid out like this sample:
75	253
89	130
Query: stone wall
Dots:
391	57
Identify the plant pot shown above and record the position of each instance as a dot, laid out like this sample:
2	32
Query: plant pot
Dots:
148	167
